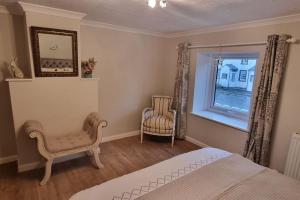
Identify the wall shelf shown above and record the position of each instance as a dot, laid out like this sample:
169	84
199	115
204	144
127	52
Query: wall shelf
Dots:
18	79
89	79
47	78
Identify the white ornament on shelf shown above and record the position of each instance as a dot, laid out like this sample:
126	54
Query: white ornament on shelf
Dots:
15	71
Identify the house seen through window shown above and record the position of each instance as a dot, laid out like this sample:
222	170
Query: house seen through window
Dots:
235	94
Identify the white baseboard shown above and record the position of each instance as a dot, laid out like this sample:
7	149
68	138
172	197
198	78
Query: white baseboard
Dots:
8	159
37	164
120	136
30	166
196	142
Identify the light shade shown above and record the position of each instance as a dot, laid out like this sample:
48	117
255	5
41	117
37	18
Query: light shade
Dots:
152	3
163	3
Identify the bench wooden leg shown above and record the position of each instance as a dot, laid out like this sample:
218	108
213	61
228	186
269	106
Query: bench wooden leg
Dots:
96	152
47	172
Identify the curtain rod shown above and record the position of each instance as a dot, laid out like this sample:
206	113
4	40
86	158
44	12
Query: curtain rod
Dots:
292	40
227	45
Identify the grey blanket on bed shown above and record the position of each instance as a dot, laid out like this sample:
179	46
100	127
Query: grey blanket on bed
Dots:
230	178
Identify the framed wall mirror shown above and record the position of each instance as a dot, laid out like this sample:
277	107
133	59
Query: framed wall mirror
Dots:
54	52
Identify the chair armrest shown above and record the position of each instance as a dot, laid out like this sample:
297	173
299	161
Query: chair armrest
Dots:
147	112
172	115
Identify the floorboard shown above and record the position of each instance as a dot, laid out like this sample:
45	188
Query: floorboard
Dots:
119	157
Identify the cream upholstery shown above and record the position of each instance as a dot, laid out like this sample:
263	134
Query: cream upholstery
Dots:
50	148
159	124
68	142
160	119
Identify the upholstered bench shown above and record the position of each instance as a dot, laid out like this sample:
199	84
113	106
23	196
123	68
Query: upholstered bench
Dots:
50	148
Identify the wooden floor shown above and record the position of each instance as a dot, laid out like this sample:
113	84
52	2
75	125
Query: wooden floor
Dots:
119	157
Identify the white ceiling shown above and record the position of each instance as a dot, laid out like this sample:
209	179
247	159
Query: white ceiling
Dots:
179	15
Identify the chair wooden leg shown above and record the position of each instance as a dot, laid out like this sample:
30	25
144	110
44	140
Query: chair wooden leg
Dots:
96	152
142	134
47	172
173	137
89	153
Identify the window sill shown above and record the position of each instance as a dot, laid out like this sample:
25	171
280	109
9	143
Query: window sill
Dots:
225	120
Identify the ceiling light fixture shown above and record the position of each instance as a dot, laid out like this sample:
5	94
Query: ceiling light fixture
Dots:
152	3
163	3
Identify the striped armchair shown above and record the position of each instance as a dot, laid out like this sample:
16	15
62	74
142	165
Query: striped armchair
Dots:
160	119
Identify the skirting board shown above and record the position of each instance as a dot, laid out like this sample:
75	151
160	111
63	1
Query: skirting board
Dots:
8	159
40	164
120	136
196	142
35	165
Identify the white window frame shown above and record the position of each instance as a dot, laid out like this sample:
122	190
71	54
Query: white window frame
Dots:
207	109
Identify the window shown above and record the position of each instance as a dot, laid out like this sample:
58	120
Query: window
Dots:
218	75
244	61
224	76
251	78
243	76
233	77
227	94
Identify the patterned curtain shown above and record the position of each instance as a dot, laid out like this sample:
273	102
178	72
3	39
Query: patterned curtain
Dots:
263	111
180	100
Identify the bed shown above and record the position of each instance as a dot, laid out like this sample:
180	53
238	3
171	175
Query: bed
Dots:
205	174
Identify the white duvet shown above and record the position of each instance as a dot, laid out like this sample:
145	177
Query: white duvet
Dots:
136	184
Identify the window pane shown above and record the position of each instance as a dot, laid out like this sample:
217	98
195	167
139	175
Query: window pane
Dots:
234	88
244	61
243	75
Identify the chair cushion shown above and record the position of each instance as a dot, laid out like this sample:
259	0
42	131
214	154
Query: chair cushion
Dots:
158	124
69	142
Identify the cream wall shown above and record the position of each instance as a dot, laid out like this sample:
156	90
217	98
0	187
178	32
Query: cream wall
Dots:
131	69
12	44
231	139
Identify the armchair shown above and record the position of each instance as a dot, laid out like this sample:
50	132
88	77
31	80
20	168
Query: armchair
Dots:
50	148
160	119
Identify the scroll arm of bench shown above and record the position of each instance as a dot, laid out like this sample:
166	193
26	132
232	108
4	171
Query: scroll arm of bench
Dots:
34	129
95	125
94	120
